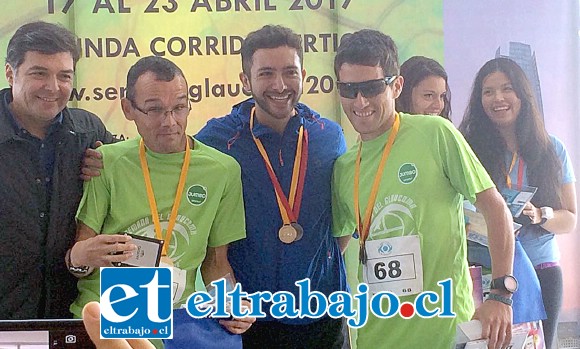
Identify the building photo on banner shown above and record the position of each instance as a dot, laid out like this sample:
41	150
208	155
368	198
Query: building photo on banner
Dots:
468	73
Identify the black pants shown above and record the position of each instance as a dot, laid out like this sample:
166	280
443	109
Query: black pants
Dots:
322	334
552	286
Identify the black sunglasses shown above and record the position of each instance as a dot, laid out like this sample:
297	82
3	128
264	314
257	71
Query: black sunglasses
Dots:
368	89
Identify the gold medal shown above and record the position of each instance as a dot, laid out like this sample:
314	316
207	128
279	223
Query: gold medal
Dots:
287	234
289	206
167	261
299	231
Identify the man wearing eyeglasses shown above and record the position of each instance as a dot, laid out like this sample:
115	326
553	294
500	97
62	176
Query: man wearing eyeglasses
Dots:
139	192
401	190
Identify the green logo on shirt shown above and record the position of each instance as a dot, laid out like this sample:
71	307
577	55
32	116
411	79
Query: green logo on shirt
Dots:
407	173
196	194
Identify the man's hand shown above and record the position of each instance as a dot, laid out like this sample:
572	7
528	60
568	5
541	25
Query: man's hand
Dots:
102	250
92	163
92	321
496	323
241	325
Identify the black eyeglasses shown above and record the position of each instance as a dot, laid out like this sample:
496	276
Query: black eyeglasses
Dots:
368	89
179	111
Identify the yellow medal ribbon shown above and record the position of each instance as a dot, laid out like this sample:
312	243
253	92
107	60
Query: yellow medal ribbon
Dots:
151	195
508	180
364	226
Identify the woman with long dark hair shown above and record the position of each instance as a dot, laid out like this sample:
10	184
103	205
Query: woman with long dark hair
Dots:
425	88
504	127
425	79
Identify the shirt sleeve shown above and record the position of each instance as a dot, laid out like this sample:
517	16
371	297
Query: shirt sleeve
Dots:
460	164
94	205
562	153
229	223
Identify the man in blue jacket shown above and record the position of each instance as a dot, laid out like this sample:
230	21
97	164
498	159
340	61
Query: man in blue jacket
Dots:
286	152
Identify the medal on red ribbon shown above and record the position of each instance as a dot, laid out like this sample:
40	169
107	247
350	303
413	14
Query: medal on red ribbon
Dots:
289	208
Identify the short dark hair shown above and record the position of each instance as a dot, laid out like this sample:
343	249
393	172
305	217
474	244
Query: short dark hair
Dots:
414	70
43	37
269	36
164	70
369	48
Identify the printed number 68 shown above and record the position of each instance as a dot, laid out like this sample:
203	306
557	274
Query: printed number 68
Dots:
394	270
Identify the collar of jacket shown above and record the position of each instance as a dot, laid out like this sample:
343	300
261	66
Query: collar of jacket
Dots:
243	111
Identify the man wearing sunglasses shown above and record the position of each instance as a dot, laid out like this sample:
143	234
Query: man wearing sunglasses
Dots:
139	192
286	152
401	190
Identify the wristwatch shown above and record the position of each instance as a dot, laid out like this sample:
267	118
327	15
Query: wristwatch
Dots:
502	299
506	283
547	213
77	271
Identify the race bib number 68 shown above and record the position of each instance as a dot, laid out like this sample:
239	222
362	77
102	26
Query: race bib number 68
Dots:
394	265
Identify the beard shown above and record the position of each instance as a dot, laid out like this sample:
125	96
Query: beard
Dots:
275	110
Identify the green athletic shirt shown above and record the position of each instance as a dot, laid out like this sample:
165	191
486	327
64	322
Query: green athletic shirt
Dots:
429	167
211	212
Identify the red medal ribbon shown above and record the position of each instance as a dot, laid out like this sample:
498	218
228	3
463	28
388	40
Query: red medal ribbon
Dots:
289	209
520	174
508	179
